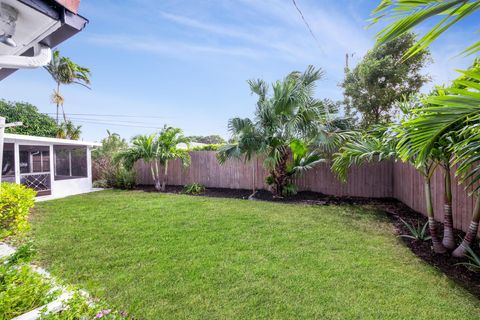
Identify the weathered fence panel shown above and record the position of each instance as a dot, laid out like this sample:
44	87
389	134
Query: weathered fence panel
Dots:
408	187
376	180
371	180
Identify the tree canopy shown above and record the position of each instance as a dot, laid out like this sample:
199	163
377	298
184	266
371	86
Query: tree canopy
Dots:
34	122
382	78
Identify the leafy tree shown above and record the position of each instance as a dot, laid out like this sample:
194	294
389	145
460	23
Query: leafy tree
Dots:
211	139
374	87
286	127
34	122
64	72
403	16
156	150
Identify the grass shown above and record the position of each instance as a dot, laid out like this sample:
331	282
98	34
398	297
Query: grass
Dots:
182	257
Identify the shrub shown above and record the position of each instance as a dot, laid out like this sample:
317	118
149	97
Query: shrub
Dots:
111	173
193	188
22	290
124	179
290	189
208	147
15	203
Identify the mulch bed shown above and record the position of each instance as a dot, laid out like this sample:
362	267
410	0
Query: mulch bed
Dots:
395	210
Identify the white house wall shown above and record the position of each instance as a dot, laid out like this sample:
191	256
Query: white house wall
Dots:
60	188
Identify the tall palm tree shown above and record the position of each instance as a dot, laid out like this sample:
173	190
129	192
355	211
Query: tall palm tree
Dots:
289	115
156	150
457	113
381	144
64	72
403	15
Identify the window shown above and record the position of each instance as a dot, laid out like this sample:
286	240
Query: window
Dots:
70	162
8	165
34	159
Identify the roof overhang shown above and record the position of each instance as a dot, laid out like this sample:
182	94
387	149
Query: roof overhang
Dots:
46	22
15	138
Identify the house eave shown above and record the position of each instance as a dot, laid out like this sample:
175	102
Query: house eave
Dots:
70	24
11	138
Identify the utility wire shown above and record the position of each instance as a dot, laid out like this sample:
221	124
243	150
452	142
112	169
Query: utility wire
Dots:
118	124
307	24
108	115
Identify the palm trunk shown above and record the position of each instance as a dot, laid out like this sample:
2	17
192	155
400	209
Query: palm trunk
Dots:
437	244
448	237
165	175
58	105
64	115
250	197
461	250
280	173
156	178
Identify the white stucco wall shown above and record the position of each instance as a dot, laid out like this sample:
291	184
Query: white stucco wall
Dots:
59	188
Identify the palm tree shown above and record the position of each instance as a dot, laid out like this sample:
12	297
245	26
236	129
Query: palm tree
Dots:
249	144
143	148
65	71
457	113
403	15
156	150
68	130
168	140
289	115
381	144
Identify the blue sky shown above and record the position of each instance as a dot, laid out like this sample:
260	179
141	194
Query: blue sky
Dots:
185	63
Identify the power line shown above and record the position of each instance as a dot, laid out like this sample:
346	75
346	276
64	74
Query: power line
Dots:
307	24
117	124
109	115
111	120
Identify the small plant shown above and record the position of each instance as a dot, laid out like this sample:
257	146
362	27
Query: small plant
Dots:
24	253
78	307
22	290
474	260
193	188
416	232
15	203
289	189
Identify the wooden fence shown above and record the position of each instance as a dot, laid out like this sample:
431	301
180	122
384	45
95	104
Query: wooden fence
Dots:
387	179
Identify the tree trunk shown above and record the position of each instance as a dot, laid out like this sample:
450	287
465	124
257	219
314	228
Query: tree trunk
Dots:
58	105
250	197
165	175
280	173
461	250
448	237
156	181
437	244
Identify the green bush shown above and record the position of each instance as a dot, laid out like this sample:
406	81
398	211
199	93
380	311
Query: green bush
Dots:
15	203
123	179
208	147
193	188
22	290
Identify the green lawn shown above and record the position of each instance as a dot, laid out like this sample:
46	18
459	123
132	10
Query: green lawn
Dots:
182	257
